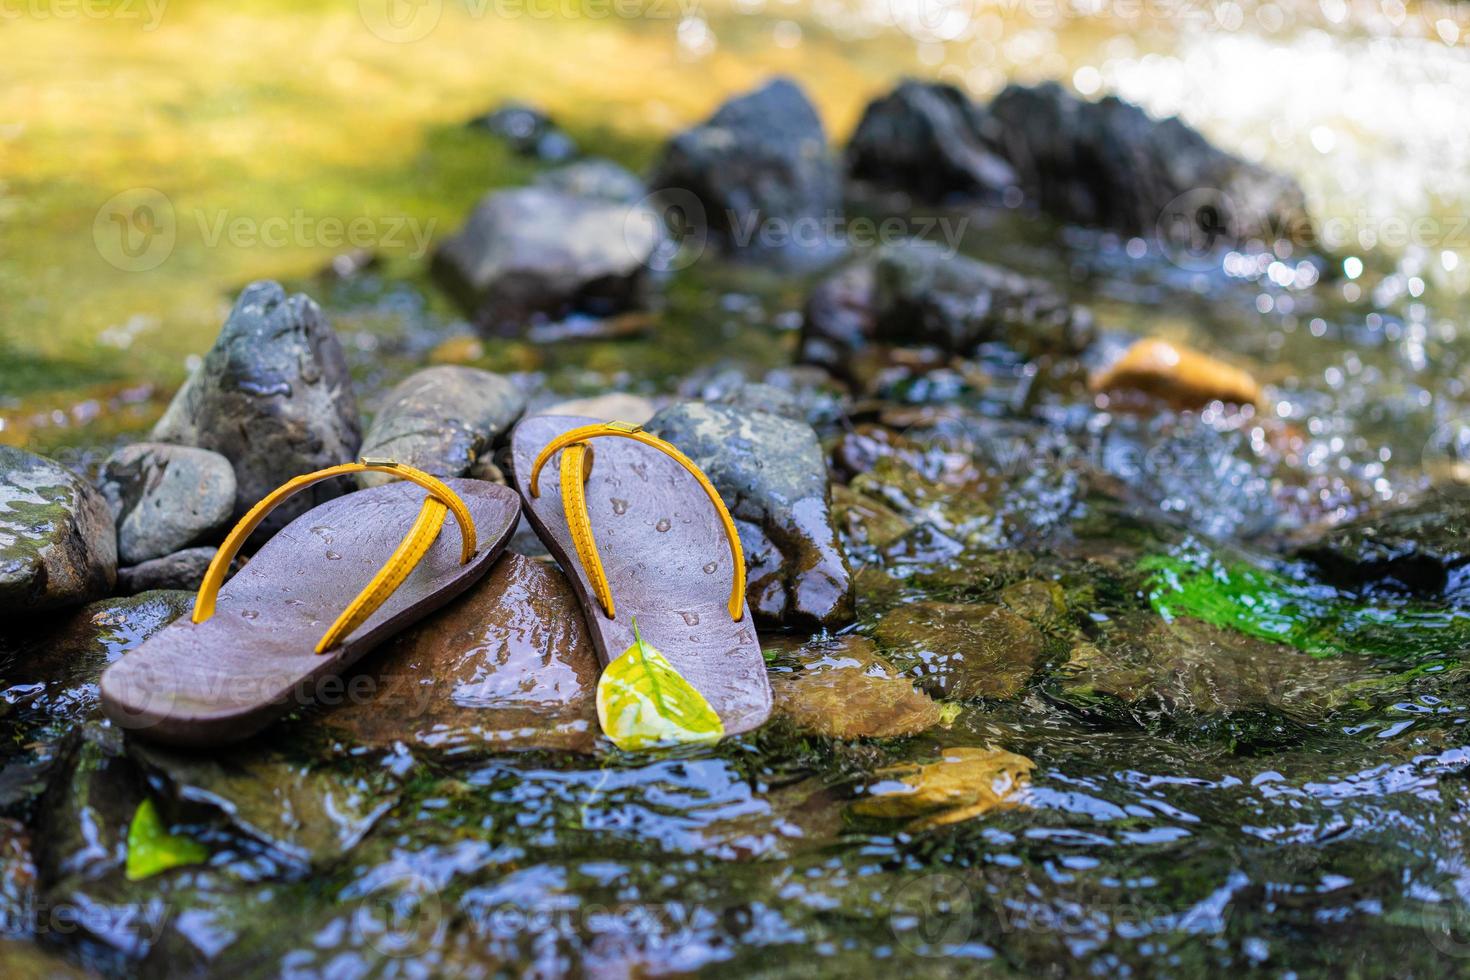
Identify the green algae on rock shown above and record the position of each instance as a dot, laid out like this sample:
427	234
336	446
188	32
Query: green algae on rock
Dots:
961	651
58	543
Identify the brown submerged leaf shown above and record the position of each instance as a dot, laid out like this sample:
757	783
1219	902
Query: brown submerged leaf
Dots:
963	783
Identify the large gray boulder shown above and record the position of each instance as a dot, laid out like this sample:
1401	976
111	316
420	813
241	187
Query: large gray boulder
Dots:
441	419
761	172
931	141
1110	165
272	396
58	544
771	473
165	498
534	253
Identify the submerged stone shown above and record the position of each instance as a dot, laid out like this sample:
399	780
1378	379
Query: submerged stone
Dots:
165	498
771	474
180	570
961	651
274	397
508	665
1422	549
58	543
846	690
441	420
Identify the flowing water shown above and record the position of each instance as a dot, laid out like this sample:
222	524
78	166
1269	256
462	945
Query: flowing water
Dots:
1235	764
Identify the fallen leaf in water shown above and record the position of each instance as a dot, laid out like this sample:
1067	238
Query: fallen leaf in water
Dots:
152	849
642	701
1180	375
963	783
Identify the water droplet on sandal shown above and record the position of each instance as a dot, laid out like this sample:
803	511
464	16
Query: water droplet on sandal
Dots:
662	525
249	614
620	507
333	556
690	618
710	568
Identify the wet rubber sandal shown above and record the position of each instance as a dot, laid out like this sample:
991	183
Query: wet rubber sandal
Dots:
644	536
298	613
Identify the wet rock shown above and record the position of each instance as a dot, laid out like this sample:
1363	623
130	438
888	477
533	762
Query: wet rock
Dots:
58	543
17	878
441	420
87	809
273	396
961	651
595	178
760	171
165	498
1178	375
180	570
527	130
1042	603
1108	164
28	961
52	670
308	814
615	406
919	295
864	522
533	253
847	691
509	665
929	140
761	397
1422	549
771	474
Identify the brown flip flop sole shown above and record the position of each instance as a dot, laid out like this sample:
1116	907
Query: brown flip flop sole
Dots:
224	679
665	557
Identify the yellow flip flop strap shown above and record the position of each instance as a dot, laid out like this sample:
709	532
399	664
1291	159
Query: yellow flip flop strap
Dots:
576	467
410	551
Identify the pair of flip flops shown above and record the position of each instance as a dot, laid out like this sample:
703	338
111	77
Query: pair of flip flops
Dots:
648	544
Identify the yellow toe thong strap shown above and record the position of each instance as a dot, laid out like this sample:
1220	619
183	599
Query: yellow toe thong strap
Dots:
576	467
410	551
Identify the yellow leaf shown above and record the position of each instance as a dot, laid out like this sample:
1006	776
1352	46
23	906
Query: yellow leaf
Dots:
642	701
964	783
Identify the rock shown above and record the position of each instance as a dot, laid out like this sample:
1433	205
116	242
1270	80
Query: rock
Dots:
510	665
28	961
961	651
965	782
848	691
1108	164
1422	549
771	474
309	814
595	178
615	406
87	808
760	170
180	570
760	397
534	253
165	498
929	140
863	521
528	131
441	419
1179	375
918	294
1042	603
58	543
272	396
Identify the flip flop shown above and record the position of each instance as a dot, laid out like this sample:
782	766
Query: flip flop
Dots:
642	534
298	613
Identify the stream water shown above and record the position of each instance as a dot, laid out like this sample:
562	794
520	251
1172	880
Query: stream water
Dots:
1235	764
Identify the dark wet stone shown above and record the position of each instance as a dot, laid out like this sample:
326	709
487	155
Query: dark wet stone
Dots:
509	665
165	498
180	570
918	295
272	396
961	651
1110	165
595	178
307	814
771	474
534	253
864	522
58	543
527	130
1422	549
17	879
1043	603
760	397
845	690
24	960
929	140
86	810
50	672
761	172
441	420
